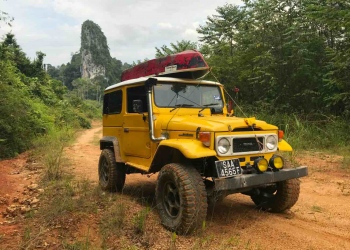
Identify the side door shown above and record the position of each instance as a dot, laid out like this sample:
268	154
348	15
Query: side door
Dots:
136	140
113	113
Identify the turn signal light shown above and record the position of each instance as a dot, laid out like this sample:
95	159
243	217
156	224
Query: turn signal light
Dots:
280	135
204	137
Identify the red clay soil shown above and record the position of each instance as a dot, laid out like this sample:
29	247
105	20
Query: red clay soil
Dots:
15	176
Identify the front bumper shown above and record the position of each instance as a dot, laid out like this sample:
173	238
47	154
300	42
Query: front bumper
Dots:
245	181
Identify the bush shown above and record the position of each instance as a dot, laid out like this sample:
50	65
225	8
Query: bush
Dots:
22	118
306	131
32	104
49	149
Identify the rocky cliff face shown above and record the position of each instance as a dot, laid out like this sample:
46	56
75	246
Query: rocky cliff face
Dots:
95	56
92	61
89	68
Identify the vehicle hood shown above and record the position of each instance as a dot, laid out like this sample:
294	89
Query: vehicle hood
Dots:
210	123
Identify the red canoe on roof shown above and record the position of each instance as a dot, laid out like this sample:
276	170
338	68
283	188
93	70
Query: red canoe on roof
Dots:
187	64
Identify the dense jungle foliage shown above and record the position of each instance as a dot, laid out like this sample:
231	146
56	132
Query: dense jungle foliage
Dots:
286	56
33	104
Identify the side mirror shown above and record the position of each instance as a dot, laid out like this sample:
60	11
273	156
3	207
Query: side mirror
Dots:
137	106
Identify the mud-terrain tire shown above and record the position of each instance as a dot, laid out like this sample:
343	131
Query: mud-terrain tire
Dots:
279	197
181	198
111	174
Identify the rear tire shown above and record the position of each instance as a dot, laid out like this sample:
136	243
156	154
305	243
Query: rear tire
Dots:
278	197
181	198
111	174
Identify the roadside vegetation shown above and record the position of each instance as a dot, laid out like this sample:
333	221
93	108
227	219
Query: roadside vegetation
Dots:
32	104
313	132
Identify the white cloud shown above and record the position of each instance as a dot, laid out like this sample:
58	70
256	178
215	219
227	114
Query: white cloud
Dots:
69	28
190	33
165	25
36	3
79	10
132	27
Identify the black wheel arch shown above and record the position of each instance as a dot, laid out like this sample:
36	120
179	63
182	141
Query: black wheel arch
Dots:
166	155
111	142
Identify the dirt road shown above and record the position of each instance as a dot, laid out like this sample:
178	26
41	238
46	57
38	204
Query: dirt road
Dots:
319	220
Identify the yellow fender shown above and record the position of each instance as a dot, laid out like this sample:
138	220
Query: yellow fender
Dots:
284	146
191	149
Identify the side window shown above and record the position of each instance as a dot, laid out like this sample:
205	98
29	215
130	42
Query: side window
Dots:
112	102
136	93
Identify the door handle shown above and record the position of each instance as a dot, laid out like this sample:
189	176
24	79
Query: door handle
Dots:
126	130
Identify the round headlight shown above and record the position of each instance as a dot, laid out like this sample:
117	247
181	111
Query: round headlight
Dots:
223	145
271	142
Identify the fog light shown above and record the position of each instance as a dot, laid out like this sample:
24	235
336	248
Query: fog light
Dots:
276	162
261	164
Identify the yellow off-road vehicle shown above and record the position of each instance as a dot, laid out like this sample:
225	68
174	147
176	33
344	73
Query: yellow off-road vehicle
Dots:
182	129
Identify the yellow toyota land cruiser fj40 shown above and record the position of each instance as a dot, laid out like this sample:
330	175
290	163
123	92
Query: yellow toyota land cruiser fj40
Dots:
182	129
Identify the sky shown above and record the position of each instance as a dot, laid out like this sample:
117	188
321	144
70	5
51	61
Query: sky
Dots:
133	27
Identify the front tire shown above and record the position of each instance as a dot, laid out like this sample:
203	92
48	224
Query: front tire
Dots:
111	174
278	197
181	198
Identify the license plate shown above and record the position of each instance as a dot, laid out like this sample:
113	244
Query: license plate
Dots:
228	168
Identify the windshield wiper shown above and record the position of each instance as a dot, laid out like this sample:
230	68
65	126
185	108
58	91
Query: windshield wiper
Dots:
181	105
207	106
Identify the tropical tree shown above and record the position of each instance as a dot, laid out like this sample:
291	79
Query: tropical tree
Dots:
271	50
332	20
218	37
177	47
221	29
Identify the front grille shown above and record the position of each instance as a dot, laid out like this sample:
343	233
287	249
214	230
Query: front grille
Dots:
247	144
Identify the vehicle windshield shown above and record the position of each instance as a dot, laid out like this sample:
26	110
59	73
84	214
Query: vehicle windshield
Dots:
187	95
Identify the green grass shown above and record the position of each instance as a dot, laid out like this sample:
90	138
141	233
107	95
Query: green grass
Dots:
49	150
79	245
113	220
316	209
308	132
233	241
140	220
